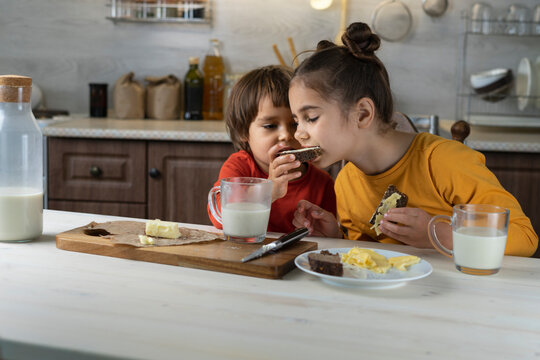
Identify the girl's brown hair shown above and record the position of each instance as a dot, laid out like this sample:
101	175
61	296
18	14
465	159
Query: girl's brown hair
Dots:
350	72
247	93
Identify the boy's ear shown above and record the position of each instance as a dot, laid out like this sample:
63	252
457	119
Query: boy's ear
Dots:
364	112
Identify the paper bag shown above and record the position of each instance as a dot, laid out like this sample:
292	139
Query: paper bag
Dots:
163	97
129	98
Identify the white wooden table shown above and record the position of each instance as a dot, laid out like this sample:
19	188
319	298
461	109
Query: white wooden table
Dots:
56	304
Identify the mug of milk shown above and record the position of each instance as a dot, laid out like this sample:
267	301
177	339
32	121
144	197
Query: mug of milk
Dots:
245	207
478	237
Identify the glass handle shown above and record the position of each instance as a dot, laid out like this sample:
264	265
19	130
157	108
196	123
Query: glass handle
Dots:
212	202
433	235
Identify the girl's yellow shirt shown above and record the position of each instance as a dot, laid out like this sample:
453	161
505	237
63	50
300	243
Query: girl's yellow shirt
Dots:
436	174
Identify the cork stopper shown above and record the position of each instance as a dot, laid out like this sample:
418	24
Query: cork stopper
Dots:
15	88
193	60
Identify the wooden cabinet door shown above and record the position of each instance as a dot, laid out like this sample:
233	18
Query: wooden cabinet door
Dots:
180	176
519	173
97	170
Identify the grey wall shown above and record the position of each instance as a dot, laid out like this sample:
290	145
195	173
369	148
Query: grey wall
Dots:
65	44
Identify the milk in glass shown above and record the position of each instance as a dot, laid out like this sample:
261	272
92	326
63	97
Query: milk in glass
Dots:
479	247
245	219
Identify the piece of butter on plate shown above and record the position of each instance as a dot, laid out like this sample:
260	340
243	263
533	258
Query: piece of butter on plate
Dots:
164	229
371	260
402	262
367	259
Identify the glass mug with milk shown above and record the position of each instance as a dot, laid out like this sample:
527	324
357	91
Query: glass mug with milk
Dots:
479	234
245	207
21	162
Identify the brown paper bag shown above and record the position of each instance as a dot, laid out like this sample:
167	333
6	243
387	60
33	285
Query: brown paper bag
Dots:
129	98
163	97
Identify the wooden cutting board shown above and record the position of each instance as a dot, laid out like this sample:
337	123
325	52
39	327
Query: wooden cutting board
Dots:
217	255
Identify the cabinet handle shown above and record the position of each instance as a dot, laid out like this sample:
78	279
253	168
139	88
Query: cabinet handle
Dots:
95	171
154	173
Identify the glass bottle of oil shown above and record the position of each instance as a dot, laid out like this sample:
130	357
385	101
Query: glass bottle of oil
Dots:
213	69
193	91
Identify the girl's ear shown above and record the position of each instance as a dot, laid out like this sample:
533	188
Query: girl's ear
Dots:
364	112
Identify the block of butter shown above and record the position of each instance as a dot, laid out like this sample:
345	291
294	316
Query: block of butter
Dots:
146	240
163	229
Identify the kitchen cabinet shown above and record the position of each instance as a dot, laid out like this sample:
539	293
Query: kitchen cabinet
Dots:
519	173
135	178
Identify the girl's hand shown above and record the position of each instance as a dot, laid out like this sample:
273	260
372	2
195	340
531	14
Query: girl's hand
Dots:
318	221
408	225
280	171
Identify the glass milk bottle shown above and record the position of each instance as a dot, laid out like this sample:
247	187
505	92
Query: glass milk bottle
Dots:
21	162
213	69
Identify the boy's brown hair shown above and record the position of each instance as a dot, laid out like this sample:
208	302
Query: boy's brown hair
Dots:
243	103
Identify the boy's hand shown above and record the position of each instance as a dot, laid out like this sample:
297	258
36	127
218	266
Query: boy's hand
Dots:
410	226
318	221
280	171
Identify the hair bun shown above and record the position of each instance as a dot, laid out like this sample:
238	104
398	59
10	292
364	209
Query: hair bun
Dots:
325	44
360	40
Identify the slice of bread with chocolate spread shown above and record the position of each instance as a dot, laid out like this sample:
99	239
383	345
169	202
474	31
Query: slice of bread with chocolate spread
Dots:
304	154
392	198
326	263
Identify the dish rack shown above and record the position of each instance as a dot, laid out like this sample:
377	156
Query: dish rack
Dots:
497	49
161	11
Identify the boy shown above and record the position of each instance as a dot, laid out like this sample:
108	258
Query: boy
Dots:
260	124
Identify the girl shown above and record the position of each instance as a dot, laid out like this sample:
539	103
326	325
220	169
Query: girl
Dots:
260	124
340	98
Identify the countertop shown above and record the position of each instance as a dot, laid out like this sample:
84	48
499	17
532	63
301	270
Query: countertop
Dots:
56	304
135	129
482	138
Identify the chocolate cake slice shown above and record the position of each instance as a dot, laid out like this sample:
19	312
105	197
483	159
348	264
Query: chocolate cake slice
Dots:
304	154
326	263
392	198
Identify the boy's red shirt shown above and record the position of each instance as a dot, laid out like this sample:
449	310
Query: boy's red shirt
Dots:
316	186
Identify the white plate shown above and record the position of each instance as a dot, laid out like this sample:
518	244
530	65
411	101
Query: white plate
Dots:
524	83
537	66
358	277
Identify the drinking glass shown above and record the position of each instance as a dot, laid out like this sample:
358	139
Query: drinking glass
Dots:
245	207
518	20
479	234
481	17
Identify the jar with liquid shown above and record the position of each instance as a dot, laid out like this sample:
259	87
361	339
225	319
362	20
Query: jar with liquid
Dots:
213	70
193	91
21	162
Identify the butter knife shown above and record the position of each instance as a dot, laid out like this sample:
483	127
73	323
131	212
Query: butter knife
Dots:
284	240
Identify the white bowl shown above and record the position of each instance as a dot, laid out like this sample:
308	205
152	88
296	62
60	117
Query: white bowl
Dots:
486	78
524	83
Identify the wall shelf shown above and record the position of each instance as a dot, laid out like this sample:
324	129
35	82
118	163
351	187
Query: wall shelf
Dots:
161	11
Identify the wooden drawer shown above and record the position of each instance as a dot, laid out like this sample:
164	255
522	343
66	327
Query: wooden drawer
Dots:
97	170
